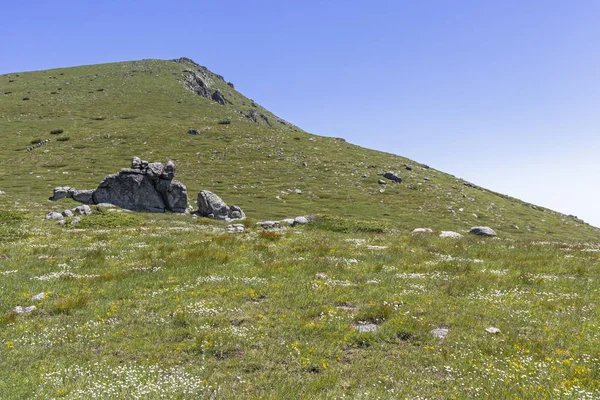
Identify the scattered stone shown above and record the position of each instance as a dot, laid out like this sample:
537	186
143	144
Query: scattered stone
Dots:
392	177
287	221
23	310
439	333
235	228
382	190
268	224
39	297
67	213
298	191
422	230
83	210
54	215
450	234
364	176
61	222
193	131
381	182
2	193
212	206
300	221
366	328
408	167
482	231
492	329
75	221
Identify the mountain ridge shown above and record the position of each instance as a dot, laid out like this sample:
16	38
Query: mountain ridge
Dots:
111	112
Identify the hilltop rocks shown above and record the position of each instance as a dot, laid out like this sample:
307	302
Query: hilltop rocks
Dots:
145	186
482	231
212	206
392	177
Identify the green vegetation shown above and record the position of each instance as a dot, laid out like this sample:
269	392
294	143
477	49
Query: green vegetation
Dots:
170	306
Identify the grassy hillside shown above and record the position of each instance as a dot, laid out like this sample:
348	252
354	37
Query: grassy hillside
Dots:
112	112
353	305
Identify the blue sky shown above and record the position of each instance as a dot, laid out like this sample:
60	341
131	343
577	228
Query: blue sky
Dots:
502	93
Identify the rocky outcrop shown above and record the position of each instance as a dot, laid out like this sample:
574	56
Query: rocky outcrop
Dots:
212	206
145	186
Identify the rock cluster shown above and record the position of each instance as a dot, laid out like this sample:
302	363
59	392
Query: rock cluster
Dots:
212	206
60	217
145	186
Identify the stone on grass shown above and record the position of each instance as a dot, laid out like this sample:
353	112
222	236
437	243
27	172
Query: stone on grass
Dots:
39	297
82	210
482	231
492	329
75	221
300	221
366	328
268	224
422	230
62	192
392	177
61	222
450	234
381	182
23	310
287	221
2	193
54	215
212	206
439	333
67	213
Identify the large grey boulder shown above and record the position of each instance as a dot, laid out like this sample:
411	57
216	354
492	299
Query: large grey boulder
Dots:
212	206
145	186
482	231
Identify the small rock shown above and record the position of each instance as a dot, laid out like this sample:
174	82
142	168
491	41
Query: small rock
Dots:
381	182
288	221
392	177
83	196
62	192
61	222
67	213
482	231
450	234
439	333
39	297
2	193
300	221
366	328
492	329
54	215
268	224
83	210
298	191
364	176
23	310
382	190
422	230
75	221
193	131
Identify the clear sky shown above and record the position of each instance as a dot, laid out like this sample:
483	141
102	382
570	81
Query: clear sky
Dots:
503	93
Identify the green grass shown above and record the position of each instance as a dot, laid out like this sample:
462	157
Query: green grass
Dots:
170	306
177	307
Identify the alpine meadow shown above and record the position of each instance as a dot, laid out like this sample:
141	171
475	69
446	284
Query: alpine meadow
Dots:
340	273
